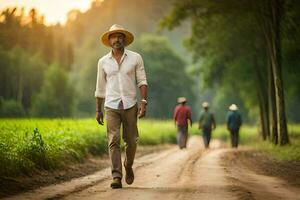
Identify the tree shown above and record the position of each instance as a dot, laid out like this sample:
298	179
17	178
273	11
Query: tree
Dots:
216	37
271	13
166	75
56	96
27	47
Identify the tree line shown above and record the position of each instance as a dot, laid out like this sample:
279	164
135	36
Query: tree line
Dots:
49	71
34	63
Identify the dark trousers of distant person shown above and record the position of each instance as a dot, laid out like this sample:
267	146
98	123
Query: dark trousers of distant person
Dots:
234	135
182	135
206	134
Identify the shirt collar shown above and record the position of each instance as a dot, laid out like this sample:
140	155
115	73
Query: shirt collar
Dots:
124	54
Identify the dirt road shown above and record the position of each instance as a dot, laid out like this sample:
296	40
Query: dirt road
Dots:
192	173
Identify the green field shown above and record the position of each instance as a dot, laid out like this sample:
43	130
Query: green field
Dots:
30	144
27	145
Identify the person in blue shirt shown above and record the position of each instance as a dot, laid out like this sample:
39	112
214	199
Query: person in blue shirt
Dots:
234	122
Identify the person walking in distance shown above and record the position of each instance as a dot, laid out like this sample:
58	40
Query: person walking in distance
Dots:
182	114
234	122
119	73
206	123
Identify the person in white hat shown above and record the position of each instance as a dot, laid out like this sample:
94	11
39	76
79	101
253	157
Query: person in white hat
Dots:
206	123
182	114
119	73
234	122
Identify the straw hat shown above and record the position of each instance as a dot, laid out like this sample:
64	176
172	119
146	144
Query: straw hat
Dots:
181	100
233	107
205	104
117	29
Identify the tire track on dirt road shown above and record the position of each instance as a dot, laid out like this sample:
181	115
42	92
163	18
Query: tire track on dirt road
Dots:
174	174
190	173
58	191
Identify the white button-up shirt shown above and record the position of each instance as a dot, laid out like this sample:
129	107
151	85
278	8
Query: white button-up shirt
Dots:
116	82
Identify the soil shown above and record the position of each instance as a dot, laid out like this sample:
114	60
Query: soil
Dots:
13	185
264	164
192	173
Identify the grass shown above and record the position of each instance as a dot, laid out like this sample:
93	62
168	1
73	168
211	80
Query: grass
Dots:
30	144
27	145
290	152
249	136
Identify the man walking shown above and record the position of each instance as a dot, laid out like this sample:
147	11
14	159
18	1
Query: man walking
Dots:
119	72
182	114
234	122
206	123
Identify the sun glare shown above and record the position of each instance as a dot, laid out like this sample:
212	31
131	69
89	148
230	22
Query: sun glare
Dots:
54	11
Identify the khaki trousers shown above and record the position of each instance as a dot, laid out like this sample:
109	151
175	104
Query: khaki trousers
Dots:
128	119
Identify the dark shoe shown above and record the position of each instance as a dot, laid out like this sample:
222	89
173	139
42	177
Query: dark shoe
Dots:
129	178
116	183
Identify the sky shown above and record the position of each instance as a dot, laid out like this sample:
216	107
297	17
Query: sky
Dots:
53	10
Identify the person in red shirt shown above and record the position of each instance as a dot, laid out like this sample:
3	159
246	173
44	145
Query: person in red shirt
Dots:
182	114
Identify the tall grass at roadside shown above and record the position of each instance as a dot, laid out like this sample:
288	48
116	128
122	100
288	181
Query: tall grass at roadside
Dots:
290	152
31	144
27	145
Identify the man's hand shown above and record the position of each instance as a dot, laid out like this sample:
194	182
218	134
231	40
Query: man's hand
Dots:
99	117
142	110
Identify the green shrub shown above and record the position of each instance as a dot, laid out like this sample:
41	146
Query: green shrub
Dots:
11	108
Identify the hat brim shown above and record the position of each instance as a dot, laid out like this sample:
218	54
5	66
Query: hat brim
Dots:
205	105
128	37
181	100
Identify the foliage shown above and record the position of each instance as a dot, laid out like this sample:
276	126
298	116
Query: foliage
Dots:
85	29
11	108
238	46
289	152
21	75
30	144
166	75
223	48
56	96
27	48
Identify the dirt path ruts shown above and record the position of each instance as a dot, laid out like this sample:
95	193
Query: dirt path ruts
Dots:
184	174
192	173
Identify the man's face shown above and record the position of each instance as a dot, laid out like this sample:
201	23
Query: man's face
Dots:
117	40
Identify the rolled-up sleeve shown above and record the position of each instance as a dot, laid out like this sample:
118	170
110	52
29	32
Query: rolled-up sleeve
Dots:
140	72
101	81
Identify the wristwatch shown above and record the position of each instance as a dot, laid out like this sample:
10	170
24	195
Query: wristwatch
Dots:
144	101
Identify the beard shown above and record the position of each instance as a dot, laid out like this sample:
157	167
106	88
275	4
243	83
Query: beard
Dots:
118	45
